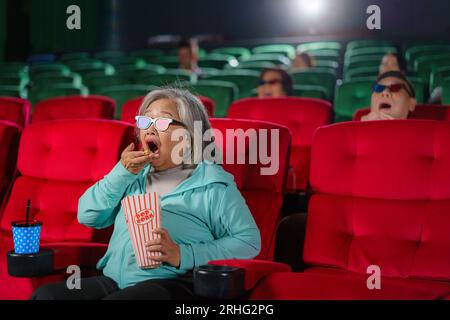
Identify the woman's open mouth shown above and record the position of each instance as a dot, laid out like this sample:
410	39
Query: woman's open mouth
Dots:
153	147
384	105
152	144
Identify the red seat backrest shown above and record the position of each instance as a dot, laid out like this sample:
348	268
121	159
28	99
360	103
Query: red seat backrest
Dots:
422	111
263	193
15	110
382	198
74	107
58	161
301	115
9	145
131	108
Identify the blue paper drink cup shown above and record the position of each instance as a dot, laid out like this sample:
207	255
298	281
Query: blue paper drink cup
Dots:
26	236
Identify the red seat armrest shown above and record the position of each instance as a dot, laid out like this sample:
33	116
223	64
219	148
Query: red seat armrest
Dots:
254	269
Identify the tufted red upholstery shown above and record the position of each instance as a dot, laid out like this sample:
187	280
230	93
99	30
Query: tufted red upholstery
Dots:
9	145
131	107
263	193
382	198
15	110
422	111
301	115
74	107
58	161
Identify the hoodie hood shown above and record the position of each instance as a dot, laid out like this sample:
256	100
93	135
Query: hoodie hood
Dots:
204	174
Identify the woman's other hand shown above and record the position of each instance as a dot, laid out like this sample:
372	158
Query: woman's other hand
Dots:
170	251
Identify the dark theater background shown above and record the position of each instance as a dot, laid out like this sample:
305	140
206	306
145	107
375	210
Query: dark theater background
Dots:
357	91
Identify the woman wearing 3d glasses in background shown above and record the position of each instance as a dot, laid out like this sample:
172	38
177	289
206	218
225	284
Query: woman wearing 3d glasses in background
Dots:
204	216
274	82
393	97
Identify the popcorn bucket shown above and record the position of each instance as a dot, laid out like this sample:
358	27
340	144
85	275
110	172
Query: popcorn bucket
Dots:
143	215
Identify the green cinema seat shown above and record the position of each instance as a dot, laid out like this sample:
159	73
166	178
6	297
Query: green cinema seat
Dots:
123	93
316	77
41	92
351	96
245	80
217	61
285	49
13	91
97	80
438	77
320	45
223	93
237	52
170	77
51	77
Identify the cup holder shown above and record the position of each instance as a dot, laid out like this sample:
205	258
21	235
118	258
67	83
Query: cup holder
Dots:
30	265
219	282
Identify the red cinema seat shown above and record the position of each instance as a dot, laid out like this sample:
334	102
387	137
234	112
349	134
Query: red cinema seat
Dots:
131	107
74	107
263	191
9	146
422	111
15	110
57	162
301	115
380	201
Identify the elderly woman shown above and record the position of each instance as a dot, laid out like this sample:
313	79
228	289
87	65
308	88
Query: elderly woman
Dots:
204	216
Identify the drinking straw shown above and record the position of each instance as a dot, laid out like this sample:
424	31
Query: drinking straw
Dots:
28	210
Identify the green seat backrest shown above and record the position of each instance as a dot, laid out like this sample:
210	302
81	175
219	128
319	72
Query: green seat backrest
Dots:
310	91
412	53
50	67
51	77
285	49
438	77
41	92
366	43
424	65
351	96
222	92
97	80
84	68
237	52
362	72
170	77
320	45
133	74
13	79
362	62
123	93
275	58
323	78
446	92
169	62
17	68
217	60
255	65
13	91
245	80
380	51
328	55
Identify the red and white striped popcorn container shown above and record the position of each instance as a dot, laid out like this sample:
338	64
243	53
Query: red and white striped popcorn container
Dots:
143	215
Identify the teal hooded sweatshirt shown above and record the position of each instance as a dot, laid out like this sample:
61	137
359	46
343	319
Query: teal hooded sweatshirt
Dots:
205	215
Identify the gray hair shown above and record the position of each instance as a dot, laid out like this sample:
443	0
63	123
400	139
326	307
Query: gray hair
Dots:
191	110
